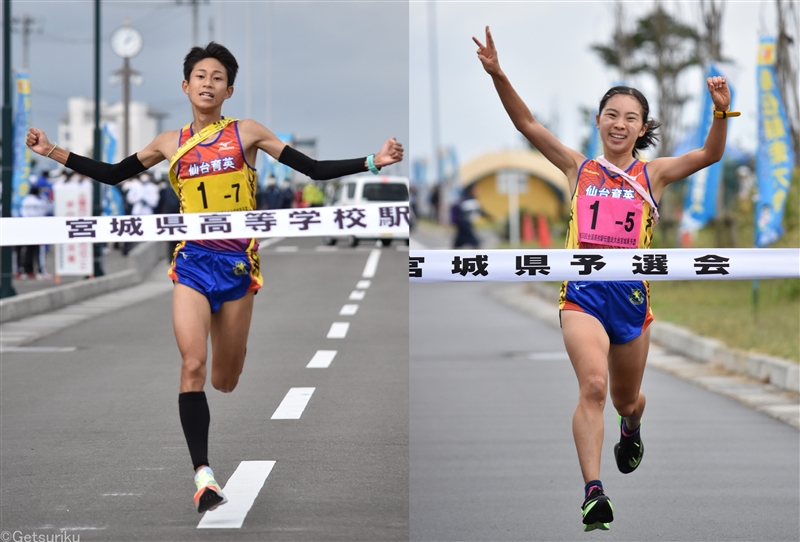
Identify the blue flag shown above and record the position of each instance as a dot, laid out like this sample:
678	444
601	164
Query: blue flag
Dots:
775	156
22	154
700	204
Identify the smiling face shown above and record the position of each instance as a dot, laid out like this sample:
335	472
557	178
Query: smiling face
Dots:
620	124
207	86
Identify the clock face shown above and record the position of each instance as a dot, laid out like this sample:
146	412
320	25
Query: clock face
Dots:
126	42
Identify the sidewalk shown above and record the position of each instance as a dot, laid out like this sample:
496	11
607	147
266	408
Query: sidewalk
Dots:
113	262
38	296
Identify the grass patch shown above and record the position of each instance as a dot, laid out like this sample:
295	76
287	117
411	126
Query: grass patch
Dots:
724	310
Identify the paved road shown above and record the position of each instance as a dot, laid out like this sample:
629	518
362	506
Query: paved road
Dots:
91	440
492	457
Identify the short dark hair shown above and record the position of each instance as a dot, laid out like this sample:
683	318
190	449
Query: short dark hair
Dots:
650	136
212	50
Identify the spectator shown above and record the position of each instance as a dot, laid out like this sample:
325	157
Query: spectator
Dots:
33	206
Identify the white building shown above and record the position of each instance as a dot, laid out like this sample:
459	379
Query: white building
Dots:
76	128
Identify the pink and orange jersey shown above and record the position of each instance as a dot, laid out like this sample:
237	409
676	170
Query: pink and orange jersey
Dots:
607	213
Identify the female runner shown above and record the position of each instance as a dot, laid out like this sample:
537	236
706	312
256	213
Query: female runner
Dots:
614	205
215	281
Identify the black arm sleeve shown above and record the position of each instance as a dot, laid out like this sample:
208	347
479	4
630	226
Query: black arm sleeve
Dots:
105	173
320	170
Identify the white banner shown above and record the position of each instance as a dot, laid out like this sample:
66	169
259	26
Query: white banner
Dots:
604	265
70	200
378	219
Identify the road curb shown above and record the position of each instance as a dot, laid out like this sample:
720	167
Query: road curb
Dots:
142	259
779	372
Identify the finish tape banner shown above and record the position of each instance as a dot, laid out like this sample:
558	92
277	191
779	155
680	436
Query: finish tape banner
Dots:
380	220
608	264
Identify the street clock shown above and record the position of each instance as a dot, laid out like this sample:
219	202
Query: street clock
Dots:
126	42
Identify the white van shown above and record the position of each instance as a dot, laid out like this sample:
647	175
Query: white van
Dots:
362	189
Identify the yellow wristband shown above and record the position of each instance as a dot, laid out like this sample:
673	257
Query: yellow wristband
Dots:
726	114
51	151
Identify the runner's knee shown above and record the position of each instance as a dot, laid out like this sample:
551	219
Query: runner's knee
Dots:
225	384
193	366
594	388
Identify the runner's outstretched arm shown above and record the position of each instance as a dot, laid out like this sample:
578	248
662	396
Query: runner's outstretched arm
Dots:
561	156
257	135
99	171
664	171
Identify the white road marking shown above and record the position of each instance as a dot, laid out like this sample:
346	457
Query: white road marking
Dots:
322	359
348	310
293	404
121	495
372	264
363	284
264	243
37	349
338	330
323	248
242	488
357	295
287	249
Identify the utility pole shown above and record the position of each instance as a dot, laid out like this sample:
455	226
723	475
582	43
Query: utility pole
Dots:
26	27
440	184
6	288
97	151
126	72
195	5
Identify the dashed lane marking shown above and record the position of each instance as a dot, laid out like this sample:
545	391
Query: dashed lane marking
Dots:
338	330
37	349
357	295
264	243
348	310
363	284
322	359
293	405
242	488
372	264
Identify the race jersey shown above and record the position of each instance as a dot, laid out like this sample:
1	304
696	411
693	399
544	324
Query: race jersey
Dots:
606	212
215	178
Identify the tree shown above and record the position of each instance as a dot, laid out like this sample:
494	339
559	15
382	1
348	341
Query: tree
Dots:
619	52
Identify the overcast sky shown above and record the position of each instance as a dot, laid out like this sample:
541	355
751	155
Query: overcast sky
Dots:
544	48
339	69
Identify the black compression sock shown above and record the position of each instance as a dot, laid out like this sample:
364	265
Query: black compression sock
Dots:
195	419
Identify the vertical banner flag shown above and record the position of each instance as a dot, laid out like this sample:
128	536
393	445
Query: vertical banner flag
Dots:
271	168
22	154
700	204
775	156
110	195
593	144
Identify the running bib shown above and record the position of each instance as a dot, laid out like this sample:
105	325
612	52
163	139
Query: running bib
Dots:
216	193
608	221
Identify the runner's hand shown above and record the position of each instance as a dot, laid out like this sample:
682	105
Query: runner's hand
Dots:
720	93
487	54
391	152
37	140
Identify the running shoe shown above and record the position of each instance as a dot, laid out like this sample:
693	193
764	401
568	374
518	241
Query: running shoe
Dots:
597	510
629	451
209	495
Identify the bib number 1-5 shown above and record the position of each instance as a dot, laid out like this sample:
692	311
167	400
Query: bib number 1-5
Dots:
609	221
